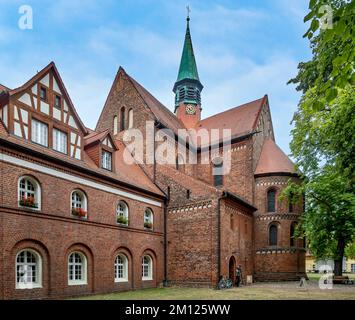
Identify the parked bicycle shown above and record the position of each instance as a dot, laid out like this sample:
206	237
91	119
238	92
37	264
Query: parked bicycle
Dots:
225	284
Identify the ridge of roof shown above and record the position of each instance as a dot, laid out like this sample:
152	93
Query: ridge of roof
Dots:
273	160
237	108
162	113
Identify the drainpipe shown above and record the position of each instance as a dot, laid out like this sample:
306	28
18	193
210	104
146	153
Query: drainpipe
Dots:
223	196
165	282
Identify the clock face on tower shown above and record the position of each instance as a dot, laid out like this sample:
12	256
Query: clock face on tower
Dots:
190	109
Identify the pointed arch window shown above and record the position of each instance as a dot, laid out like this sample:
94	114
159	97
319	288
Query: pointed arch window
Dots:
115	125
271	200
273	235
130	119
123	119
217	172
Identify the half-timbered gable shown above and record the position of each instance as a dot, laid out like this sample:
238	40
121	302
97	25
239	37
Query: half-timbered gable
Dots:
41	111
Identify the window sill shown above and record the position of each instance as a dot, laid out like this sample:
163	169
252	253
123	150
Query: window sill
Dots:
30	208
28	287
121	280
122	224
77	283
147	279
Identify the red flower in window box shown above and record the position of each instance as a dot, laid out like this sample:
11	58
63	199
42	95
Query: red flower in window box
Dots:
78	212
28	202
148	225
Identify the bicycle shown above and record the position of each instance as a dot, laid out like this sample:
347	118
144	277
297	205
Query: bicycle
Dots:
225	284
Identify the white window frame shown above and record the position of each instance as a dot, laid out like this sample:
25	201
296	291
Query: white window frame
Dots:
39	133
75	203
106	162
147	266
122	264
36	193
122	210
60	141
83	264
150	218
38	270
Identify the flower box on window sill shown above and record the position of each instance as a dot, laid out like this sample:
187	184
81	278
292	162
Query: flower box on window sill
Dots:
28	203
148	225
122	220
78	212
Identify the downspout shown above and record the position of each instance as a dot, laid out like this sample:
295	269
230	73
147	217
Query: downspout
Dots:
165	281
223	196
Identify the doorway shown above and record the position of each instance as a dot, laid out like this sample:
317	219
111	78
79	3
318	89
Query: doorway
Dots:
232	267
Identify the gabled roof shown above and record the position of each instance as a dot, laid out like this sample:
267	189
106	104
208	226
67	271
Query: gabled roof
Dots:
98	137
241	119
162	113
38	76
273	160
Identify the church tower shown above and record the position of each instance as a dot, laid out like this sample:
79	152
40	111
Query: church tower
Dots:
188	87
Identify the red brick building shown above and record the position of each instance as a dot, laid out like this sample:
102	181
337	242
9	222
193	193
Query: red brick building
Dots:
79	214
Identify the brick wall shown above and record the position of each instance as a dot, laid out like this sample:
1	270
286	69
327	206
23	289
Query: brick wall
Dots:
53	232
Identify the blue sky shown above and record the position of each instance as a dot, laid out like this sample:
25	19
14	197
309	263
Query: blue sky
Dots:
243	48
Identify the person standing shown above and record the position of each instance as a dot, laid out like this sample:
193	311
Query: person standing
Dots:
238	275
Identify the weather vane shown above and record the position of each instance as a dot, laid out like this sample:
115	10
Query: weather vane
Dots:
188	12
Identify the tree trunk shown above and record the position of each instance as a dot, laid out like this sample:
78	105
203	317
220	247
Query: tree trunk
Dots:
338	261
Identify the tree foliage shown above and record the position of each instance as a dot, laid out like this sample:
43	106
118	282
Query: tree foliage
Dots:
323	136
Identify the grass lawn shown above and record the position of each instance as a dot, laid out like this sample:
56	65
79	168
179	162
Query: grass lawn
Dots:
258	291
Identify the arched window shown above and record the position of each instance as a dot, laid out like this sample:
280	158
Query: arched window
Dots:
77	269
180	163
217	172
123	119
271	203
115	125
147	268
28	269
78	204
122	213
29	193
273	235
130	119
290	203
121	268
148	219
292	234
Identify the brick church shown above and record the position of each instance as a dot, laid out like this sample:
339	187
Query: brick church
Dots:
77	218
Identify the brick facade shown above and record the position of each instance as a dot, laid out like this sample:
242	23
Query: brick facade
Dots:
200	231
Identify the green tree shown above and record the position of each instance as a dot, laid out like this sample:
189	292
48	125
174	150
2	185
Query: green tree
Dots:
323	135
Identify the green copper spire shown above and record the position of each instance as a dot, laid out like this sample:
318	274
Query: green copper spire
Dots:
188	87
188	68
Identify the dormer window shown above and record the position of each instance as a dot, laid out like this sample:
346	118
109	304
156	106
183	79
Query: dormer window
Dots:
43	93
106	160
57	102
